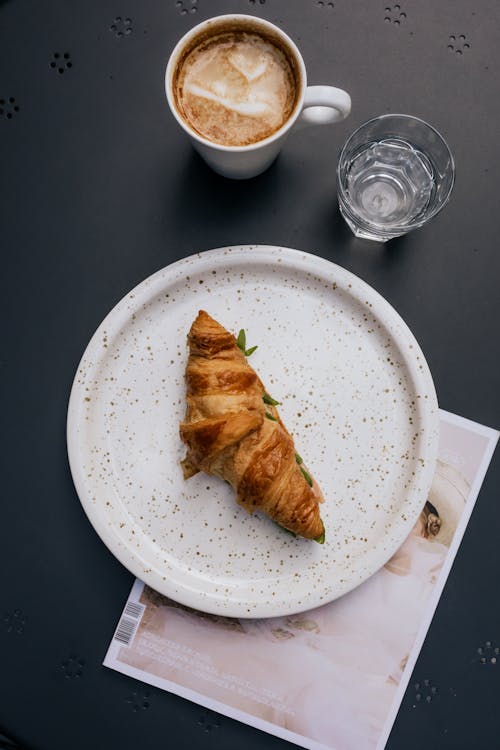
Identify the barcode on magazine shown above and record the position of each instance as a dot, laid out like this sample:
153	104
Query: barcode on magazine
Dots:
130	620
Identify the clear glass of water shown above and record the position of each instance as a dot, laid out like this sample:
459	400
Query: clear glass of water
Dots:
394	173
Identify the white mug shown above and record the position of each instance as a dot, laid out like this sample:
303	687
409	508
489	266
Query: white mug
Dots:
317	105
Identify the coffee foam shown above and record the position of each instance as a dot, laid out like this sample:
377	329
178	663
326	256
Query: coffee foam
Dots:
236	88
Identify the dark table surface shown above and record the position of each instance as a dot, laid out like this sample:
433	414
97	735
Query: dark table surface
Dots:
100	188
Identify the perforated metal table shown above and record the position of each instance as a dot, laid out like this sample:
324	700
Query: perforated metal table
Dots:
99	189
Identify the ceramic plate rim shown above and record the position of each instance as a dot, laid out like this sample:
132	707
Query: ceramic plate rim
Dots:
299	260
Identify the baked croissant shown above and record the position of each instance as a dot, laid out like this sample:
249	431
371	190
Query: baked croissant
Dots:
232	430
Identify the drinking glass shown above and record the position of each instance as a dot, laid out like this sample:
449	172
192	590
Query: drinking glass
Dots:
395	172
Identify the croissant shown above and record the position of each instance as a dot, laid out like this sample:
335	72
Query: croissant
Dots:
232	430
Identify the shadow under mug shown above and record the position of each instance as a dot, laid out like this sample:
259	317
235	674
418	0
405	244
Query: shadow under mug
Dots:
316	105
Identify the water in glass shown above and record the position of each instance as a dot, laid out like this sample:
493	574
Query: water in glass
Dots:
389	182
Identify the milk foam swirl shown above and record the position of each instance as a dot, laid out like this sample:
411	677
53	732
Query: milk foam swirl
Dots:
236	88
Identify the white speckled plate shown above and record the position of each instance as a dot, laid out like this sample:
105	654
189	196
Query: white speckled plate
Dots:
357	395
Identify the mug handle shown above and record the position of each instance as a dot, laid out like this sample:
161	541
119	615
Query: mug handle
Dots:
324	105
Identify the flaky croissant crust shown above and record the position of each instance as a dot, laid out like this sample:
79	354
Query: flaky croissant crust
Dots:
228	434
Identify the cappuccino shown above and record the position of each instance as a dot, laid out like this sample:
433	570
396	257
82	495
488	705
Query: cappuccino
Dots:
236	87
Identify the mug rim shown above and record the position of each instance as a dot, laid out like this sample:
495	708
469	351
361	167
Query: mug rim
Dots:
256	20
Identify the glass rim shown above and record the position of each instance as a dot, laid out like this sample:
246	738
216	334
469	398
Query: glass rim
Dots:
400	228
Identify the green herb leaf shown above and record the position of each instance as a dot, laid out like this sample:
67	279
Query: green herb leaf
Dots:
306	476
321	538
241	341
271	401
298	459
270	416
